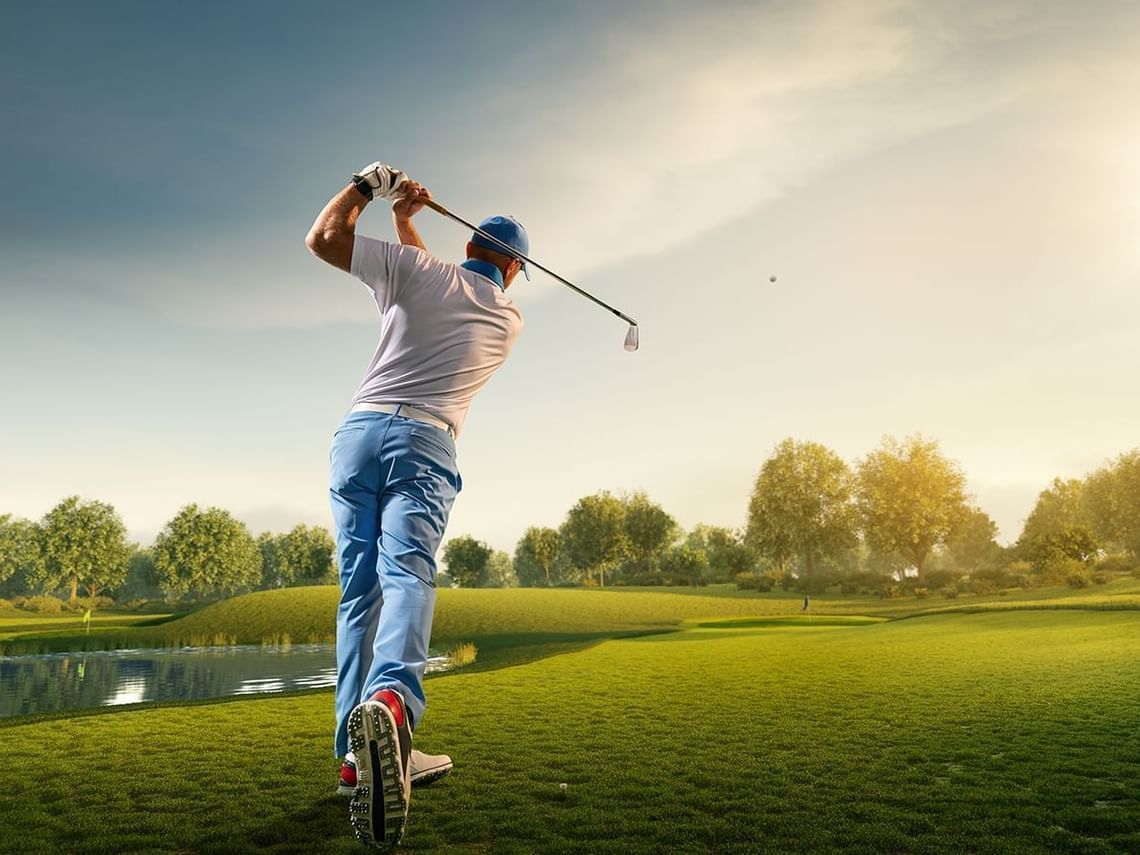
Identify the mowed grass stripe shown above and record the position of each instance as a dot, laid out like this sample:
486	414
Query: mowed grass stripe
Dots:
993	732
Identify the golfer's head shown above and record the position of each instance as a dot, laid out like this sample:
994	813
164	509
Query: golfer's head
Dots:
505	230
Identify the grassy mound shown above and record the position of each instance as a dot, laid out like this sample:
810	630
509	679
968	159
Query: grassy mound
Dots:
990	732
521	624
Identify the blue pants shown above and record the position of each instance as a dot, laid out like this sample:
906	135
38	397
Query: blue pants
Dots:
392	484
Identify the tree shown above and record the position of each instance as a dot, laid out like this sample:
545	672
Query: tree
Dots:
535	555
973	545
305	556
727	552
21	554
649	531
801	505
500	571
466	560
143	580
910	499
84	543
203	552
1058	527
1110	499
684	564
593	535
271	575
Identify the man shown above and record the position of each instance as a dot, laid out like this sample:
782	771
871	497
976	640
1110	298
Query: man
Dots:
445	329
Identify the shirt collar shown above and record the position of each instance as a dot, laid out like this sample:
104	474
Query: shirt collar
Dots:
485	268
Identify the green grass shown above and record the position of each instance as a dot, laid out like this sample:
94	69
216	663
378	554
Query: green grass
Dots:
24	625
994	732
522	624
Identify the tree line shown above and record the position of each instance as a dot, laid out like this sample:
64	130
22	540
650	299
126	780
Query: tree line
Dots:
81	545
899	519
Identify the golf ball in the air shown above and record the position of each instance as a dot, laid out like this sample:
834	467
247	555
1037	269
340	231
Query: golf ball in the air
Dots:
771	278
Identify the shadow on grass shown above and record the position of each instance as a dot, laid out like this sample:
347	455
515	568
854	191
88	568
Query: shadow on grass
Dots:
504	651
310	829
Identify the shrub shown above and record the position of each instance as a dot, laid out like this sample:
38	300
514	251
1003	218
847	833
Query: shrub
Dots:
893	592
82	604
982	585
5	605
921	593
1099	577
1059	571
950	592
1078	578
44	604
940	578
753	582
1117	564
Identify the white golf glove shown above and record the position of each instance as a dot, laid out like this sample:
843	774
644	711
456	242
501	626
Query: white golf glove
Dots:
379	181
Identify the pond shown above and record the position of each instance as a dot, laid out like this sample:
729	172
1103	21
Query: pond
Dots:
64	681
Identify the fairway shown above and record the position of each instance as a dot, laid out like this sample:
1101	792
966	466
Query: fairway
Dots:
994	732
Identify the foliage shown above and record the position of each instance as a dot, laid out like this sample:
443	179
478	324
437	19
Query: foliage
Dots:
1058	529
142	581
466	560
801	505
205	552
305	555
753	582
728	555
40	603
973	545
649	532
593	536
1071	542
911	499
21	554
535	555
684	565
1116	564
500	571
1110	502
84	544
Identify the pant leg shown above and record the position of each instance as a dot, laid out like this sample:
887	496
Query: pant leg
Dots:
355	482
422	483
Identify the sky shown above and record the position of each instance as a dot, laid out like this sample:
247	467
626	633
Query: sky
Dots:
948	194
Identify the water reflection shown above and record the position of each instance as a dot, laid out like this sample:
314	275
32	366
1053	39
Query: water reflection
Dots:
63	681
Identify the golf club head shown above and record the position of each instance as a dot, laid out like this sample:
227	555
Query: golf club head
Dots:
632	340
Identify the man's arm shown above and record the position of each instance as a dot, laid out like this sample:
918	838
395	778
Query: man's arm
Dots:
405	208
333	232
332	235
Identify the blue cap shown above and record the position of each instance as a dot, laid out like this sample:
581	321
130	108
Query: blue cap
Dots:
509	231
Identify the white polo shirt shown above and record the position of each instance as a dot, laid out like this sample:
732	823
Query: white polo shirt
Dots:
444	329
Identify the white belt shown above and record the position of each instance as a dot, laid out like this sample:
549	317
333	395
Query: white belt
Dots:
408	412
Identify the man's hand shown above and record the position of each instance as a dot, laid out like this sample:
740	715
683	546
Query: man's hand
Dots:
406	207
380	181
411	202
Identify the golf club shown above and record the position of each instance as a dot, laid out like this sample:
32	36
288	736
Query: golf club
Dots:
632	338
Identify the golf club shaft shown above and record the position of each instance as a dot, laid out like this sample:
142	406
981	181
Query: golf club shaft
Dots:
440	209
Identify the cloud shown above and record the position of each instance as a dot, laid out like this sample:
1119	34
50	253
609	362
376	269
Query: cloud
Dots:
668	126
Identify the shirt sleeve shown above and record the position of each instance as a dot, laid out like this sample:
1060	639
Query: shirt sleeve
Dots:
385	267
374	264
